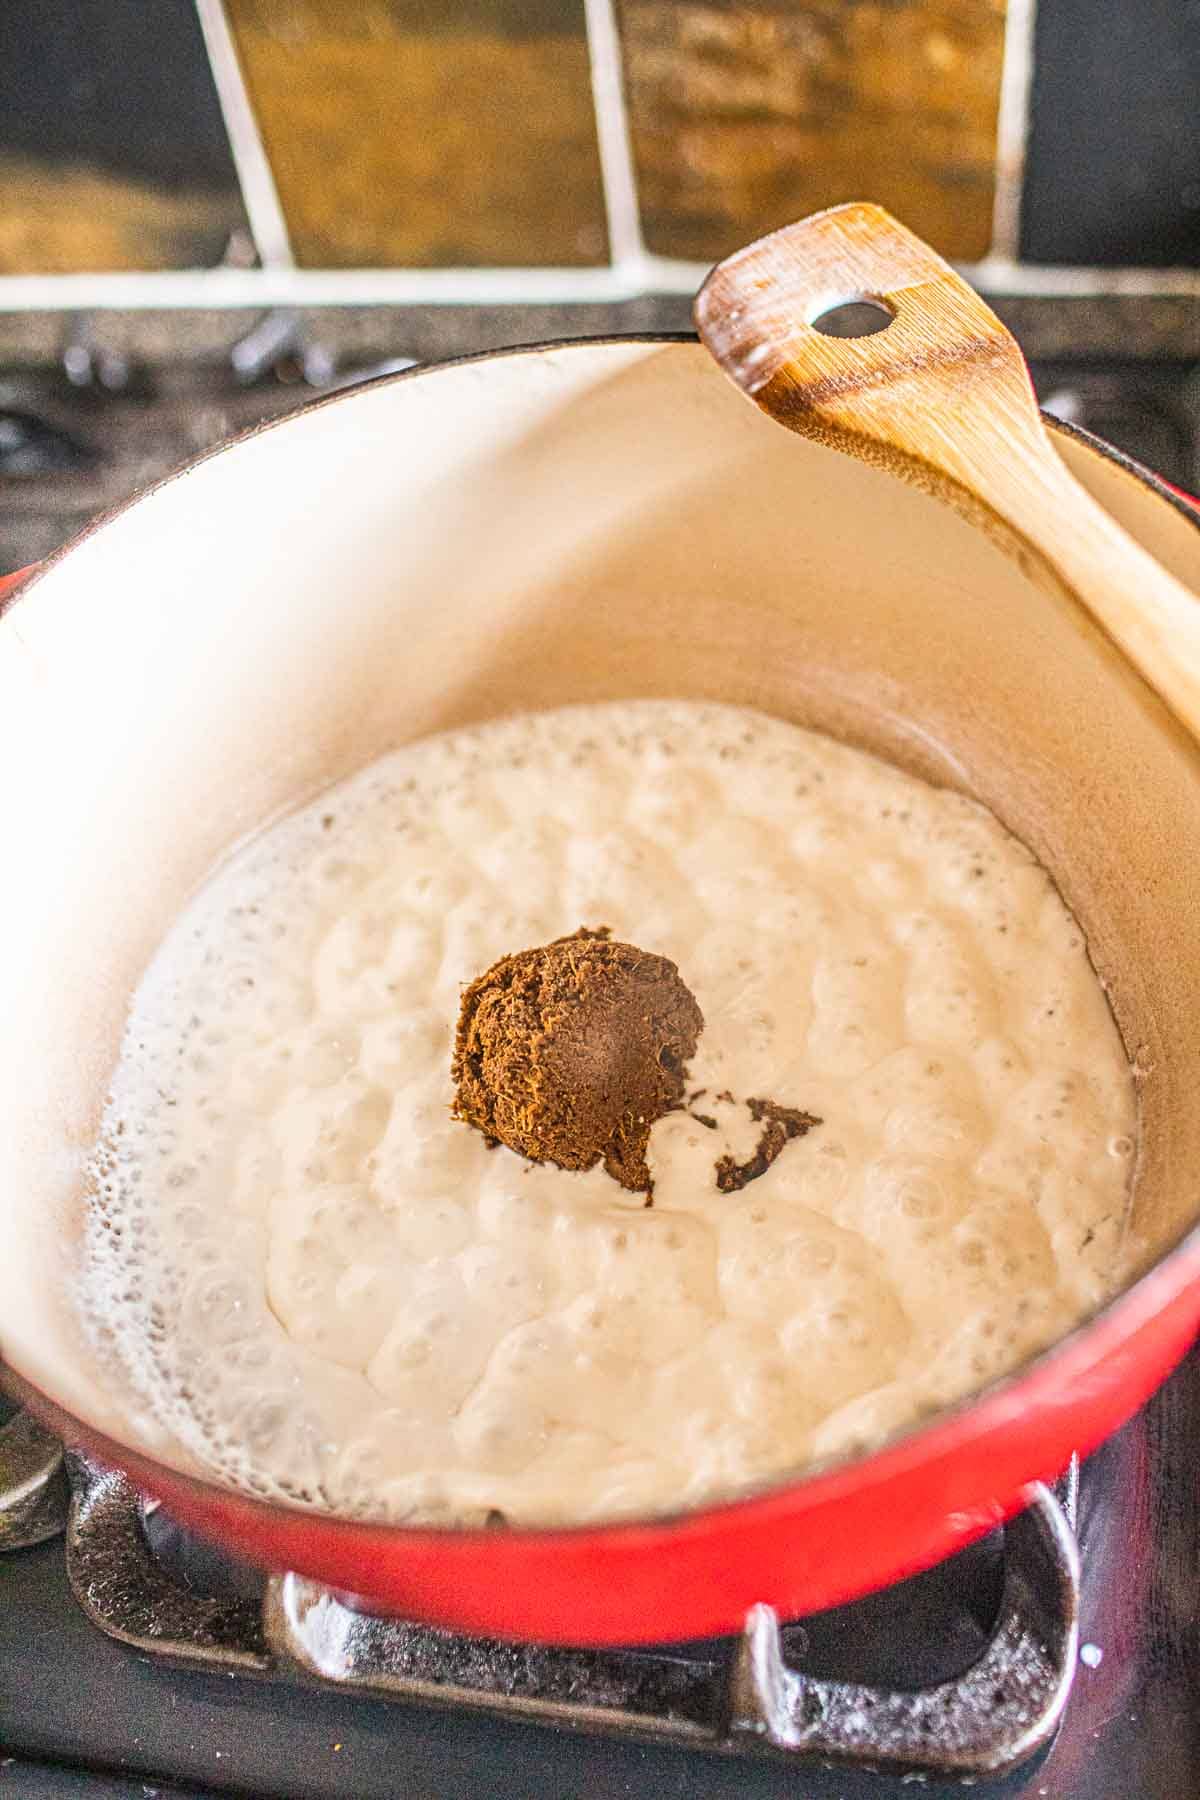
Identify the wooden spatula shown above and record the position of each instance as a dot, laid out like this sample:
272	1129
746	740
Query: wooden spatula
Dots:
942	397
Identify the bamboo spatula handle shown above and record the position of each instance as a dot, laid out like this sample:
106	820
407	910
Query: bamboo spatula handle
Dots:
942	397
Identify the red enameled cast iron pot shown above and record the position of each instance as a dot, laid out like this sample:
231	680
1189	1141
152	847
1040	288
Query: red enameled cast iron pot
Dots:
570	522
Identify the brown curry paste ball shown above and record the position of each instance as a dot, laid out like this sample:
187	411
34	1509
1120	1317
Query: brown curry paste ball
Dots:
569	1052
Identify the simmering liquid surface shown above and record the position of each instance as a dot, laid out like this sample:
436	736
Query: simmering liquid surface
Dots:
330	1290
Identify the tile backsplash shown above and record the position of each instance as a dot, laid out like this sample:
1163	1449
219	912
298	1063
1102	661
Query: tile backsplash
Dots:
463	134
1113	162
746	115
113	154
427	135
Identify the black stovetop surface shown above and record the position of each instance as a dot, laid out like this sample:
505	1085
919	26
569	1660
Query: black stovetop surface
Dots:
78	437
71	1697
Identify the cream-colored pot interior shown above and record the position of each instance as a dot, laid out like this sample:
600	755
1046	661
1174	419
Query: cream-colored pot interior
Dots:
580	523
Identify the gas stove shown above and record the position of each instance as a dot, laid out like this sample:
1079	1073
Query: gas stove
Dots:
92	408
1058	1659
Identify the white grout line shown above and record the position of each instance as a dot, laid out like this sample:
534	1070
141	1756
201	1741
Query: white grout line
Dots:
617	172
268	287
260	196
200	288
1012	128
670	275
1044	281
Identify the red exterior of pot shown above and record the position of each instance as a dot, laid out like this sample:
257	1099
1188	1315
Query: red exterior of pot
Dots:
8	582
803	1547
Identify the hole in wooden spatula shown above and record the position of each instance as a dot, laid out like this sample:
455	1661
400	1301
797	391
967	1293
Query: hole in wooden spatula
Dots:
861	317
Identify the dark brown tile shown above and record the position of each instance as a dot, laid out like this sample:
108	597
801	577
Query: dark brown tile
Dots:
746	116
112	150
411	134
1113	169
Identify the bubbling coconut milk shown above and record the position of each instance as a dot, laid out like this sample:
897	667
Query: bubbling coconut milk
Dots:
331	1291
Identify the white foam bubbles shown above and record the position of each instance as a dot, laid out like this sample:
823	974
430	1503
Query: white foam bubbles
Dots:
328	1290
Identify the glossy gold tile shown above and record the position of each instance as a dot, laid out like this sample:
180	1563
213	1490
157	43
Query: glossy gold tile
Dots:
62	220
745	116
411	134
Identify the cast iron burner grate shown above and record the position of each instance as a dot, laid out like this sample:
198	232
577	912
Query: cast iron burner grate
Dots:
1003	1613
